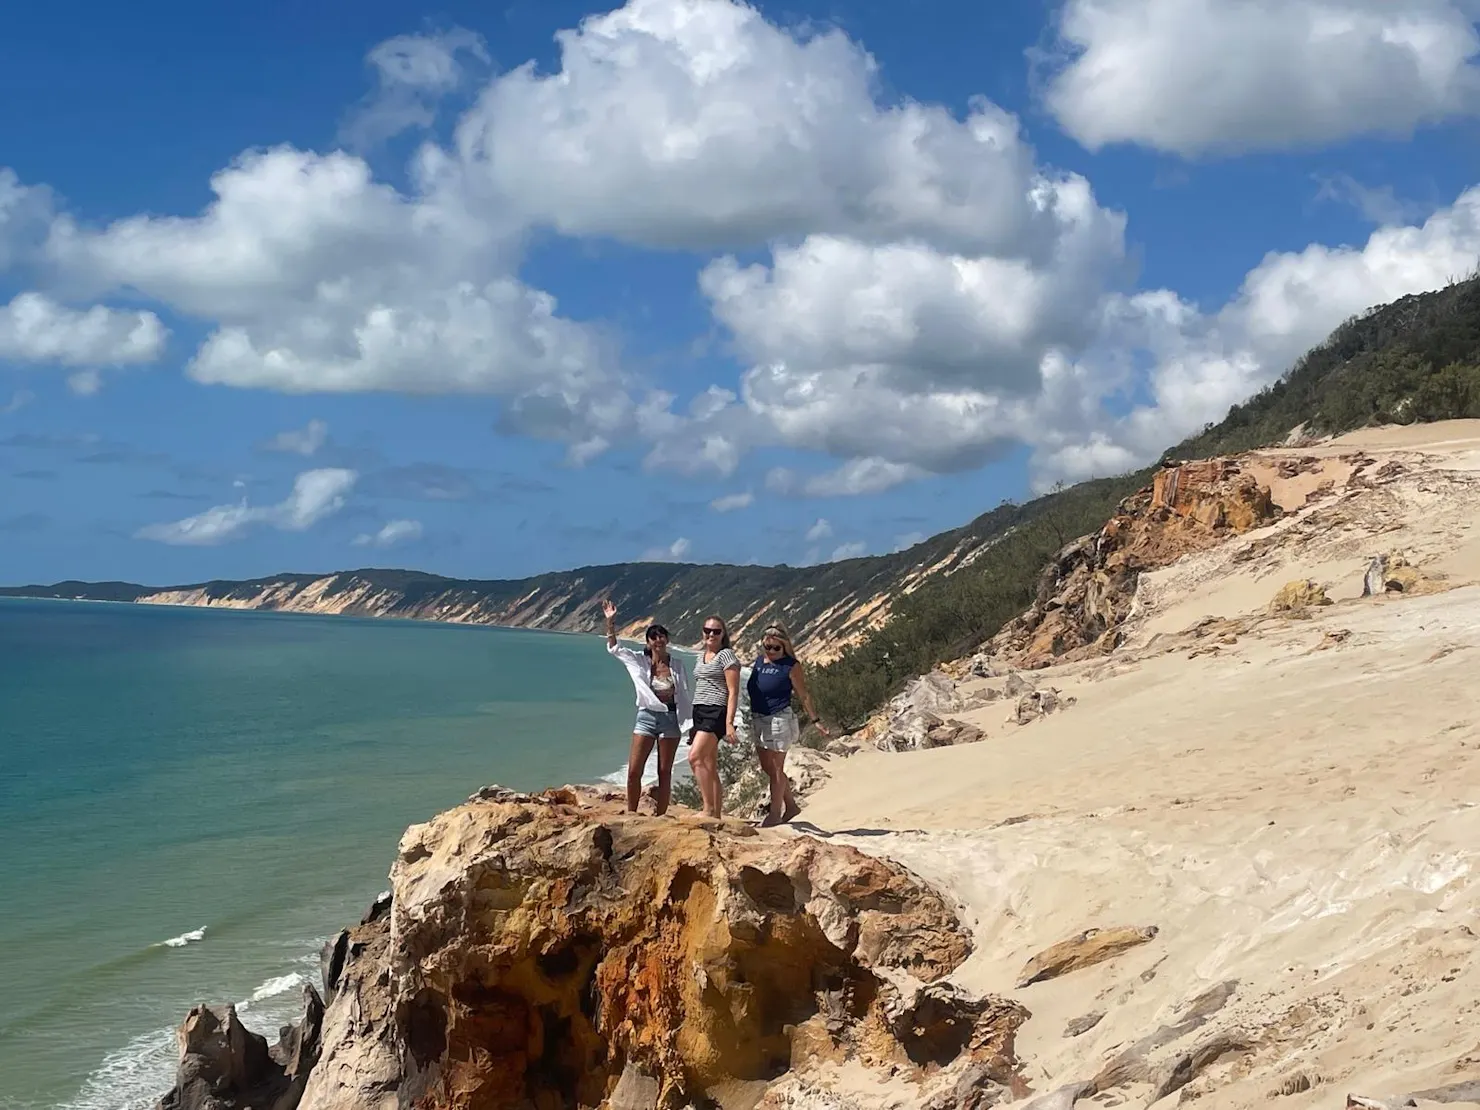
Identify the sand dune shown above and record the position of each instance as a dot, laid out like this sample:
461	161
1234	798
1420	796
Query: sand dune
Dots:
1296	811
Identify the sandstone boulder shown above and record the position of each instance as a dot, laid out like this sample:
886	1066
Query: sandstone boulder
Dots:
1296	597
1037	704
553	951
1088	948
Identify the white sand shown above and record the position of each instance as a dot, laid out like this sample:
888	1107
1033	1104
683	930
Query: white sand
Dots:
1303	820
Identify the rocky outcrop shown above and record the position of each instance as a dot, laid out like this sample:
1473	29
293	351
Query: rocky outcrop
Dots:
551	951
921	716
1392	573
225	1066
1086	593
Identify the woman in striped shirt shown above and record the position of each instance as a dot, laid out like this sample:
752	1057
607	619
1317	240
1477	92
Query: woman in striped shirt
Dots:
716	697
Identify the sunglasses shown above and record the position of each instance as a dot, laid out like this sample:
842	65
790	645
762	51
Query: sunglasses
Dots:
714	632
770	648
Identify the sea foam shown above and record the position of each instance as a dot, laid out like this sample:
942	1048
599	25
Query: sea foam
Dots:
184	938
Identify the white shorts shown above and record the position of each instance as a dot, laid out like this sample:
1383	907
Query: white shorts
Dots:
776	733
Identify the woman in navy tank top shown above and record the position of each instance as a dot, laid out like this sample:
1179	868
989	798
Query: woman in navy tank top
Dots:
774	676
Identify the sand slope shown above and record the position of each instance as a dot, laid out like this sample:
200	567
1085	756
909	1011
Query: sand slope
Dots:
1296	812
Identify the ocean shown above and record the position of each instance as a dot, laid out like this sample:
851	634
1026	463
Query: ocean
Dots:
193	800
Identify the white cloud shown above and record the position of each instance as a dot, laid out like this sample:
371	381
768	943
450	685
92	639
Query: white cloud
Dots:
300	441
412	73
1203	363
820	530
1222	76
34	328
392	533
320	280
861	476
316	494
854	550
25	215
732	502
672	553
694	123
908	540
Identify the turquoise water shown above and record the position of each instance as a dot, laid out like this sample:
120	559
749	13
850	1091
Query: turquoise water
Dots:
192	800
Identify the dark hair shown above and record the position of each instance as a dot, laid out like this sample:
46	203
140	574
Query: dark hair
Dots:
724	641
653	630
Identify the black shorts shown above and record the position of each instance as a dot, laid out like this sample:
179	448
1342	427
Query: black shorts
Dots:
708	718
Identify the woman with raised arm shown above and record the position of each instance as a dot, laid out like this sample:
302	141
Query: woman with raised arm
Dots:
663	705
774	675
716	697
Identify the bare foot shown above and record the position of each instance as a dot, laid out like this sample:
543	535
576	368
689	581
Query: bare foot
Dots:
771	819
791	812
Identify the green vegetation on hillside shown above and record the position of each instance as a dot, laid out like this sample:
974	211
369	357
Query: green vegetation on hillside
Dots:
949	616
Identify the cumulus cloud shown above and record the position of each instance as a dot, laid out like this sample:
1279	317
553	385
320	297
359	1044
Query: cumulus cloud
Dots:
732	502
300	441
316	494
26	213
36	329
1196	77
1202	363
672	553
853	550
392	533
693	123
321	280
908	540
412	74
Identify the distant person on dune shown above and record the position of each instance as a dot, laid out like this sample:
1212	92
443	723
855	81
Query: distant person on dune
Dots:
663	706
774	675
716	698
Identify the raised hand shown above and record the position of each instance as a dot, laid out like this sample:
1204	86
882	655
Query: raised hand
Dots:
609	609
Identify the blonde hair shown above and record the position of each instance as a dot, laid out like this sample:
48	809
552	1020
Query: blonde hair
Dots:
777	631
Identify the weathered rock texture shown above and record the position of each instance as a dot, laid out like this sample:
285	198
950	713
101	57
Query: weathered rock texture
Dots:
1086	949
224	1065
920	716
1086	593
552	951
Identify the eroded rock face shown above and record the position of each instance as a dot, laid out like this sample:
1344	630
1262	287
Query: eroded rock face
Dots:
1085	594
552	951
225	1066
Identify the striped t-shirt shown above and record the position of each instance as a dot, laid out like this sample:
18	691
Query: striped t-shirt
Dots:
709	678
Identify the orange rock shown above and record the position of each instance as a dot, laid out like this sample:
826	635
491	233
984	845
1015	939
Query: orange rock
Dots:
1085	593
549	950
1090	947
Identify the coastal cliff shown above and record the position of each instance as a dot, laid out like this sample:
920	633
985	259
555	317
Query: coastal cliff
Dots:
827	607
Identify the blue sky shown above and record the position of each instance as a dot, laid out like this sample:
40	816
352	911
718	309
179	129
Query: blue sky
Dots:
493	289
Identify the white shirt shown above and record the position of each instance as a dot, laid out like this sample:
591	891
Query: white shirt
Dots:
640	670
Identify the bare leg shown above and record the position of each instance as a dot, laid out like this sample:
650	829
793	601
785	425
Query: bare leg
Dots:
704	759
774	764
642	747
792	809
667	752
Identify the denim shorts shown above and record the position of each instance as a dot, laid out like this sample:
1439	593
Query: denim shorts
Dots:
775	733
652	722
